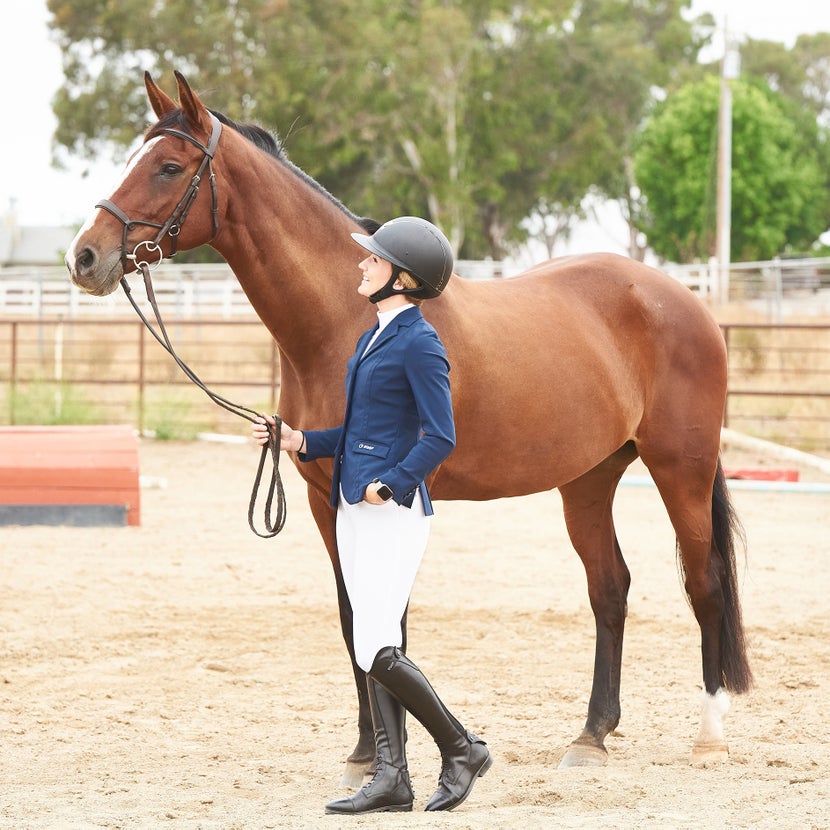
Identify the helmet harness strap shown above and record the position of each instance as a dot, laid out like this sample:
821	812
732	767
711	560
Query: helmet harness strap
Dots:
389	289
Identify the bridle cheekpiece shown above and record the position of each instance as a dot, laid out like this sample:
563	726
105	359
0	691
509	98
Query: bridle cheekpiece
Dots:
172	227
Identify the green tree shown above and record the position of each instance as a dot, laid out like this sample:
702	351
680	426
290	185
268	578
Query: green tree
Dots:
801	74
370	99
778	193
575	81
475	113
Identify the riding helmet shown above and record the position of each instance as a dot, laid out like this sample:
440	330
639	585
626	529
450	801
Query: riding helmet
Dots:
416	246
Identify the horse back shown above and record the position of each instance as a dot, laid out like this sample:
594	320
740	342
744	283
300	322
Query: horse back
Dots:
564	364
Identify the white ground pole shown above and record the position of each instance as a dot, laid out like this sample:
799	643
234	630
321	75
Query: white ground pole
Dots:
729	436
747	442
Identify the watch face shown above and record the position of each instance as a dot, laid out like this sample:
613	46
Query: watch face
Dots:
385	492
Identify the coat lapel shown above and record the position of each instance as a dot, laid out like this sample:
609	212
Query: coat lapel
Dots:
405	318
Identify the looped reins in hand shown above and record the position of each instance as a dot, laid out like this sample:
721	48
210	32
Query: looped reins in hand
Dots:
275	525
272	525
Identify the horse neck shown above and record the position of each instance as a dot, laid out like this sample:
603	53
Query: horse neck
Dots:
288	245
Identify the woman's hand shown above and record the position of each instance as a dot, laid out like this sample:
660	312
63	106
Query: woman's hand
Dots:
292	440
371	494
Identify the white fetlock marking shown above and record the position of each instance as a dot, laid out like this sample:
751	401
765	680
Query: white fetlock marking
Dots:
712	711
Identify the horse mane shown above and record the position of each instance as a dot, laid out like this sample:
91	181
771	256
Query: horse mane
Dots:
266	141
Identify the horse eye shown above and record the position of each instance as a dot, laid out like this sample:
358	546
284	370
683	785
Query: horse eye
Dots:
170	170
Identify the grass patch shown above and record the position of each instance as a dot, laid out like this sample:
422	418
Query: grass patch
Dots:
49	403
169	419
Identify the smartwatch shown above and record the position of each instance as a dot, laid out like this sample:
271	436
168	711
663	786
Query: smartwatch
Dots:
384	490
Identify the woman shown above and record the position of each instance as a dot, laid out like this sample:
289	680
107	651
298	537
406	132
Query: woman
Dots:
398	427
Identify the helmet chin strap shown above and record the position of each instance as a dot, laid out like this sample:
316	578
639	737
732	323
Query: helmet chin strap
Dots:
389	289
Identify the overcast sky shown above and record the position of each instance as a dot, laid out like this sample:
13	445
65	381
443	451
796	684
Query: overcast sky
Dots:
31	72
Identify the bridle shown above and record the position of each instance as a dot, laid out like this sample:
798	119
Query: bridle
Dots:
172	227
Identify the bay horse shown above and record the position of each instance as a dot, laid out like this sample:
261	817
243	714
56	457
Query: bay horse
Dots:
561	377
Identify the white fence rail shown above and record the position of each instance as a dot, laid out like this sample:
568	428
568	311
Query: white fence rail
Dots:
183	292
187	292
754	278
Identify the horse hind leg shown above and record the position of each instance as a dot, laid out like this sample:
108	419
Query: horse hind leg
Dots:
706	526
588	503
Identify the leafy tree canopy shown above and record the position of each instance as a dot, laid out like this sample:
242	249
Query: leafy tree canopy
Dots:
779	188
475	113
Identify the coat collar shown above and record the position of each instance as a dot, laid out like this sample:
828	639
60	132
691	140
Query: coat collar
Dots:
404	318
395	314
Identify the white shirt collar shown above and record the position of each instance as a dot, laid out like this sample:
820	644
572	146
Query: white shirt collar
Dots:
386	317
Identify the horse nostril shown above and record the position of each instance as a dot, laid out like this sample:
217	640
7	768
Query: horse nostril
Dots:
86	259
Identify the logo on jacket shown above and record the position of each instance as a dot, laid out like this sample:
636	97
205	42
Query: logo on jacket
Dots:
365	446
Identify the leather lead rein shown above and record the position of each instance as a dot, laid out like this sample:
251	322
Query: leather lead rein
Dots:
274	517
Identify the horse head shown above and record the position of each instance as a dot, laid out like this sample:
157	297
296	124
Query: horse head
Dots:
143	220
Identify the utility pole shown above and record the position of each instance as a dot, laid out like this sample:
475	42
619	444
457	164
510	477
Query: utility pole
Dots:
730	68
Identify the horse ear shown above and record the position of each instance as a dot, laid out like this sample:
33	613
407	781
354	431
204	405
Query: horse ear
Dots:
161	103
194	109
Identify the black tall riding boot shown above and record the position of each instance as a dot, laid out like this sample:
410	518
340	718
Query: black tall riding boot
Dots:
464	757
389	791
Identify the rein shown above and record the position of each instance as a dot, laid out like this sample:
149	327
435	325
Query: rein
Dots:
274	521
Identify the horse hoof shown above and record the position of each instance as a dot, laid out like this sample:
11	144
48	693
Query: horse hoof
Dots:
583	755
709	752
353	775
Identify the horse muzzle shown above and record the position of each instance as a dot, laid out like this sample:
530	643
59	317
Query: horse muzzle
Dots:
96	274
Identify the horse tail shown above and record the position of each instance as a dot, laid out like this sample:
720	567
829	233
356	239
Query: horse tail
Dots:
736	675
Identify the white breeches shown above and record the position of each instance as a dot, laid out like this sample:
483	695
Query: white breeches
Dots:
380	548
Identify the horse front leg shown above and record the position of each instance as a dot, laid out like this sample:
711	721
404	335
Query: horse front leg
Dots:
587	503
360	761
604	711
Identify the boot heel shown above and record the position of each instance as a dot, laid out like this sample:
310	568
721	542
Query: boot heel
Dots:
486	765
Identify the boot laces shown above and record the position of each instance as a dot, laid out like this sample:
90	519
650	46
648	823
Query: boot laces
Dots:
378	769
379	765
450	755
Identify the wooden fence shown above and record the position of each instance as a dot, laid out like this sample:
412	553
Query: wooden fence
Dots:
112	371
191	292
183	292
779	383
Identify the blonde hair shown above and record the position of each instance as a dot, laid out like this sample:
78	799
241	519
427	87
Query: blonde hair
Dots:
408	281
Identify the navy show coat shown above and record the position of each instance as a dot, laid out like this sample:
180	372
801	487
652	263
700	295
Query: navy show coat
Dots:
398	426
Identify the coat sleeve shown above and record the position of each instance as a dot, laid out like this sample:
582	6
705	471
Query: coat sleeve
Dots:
427	370
320	443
